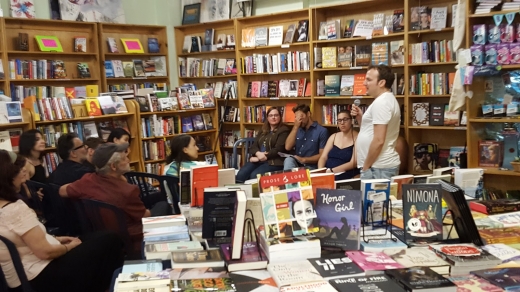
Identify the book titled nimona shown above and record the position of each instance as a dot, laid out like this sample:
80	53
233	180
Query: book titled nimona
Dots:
422	211
339	214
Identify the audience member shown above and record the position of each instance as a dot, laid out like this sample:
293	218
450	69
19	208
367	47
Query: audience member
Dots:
109	185
31	146
119	136
184	152
375	146
73	153
264	151
92	144
339	154
307	139
50	263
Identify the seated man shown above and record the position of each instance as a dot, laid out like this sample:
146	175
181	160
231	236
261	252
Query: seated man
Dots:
73	153
109	185
307	138
92	144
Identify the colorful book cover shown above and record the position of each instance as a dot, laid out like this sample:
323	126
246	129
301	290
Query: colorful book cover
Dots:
422	211
93	107
252	258
288	203
329	57
419	257
201	177
216	284
339	214
187	125
335	266
464	254
417	278
375	193
373	261
473	283
504	252
198	273
507	279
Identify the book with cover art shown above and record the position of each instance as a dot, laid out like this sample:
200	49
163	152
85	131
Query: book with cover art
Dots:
473	283
464	254
321	286
290	33
252	258
363	284
373	263
215	284
497	206
507	279
254	281
198	273
334	266
339	213
287	203
375	193
218	210
422	212
504	252
197	259
299	272
490	153
419	257
417	278
201	177
112	45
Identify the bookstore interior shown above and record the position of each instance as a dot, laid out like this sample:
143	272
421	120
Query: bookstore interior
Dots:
249	214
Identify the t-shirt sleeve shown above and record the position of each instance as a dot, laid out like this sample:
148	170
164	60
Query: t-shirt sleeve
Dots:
324	136
21	218
381	112
134	207
74	189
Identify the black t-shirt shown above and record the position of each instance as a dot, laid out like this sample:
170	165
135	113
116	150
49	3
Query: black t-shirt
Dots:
68	171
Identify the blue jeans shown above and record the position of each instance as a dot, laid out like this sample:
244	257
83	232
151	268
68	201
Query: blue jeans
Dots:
376	173
290	163
251	169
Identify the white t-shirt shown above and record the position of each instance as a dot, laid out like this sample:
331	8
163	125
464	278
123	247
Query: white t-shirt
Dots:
383	111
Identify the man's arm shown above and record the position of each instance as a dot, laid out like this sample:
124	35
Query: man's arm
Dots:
322	141
63	191
376	145
311	159
291	138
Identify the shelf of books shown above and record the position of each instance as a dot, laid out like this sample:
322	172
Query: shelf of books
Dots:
133	57
274	53
207	59
14	120
493	113
45	58
342	54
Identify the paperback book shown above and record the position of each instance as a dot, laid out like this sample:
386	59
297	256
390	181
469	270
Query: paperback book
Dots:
422	211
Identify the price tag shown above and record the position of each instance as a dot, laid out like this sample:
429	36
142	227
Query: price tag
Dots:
274	98
285	46
356	68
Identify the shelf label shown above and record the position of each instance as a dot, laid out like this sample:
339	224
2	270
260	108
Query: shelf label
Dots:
285	46
181	111
438	29
369	37
274	73
356	68
139	77
274	98
460	128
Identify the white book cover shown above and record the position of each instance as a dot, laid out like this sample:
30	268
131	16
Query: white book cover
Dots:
290	273
162	221
322	286
118	68
504	252
5	141
454	8
439	17
275	35
347	85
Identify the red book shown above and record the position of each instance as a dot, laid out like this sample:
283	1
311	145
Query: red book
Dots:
204	176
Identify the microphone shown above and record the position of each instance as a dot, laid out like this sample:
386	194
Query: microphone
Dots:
357	102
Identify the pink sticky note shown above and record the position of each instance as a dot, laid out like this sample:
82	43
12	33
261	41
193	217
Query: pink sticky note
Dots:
133	45
49	43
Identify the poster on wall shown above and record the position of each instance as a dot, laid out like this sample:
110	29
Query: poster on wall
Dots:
110	11
22	9
241	8
214	10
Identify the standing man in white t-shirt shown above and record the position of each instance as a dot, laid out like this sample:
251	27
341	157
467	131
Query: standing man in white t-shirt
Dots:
375	145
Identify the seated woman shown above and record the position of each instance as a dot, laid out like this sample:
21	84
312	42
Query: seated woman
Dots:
264	151
31	146
339	153
51	263
184	153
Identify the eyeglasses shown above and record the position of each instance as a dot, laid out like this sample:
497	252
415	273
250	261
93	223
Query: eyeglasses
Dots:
341	121
273	115
79	147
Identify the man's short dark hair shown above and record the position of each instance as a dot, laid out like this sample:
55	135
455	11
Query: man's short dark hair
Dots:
66	145
94	142
385	73
302	108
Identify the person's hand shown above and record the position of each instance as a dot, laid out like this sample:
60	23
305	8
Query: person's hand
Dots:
297	121
300	159
65	239
261	156
40	194
356	113
264	157
253	159
73	243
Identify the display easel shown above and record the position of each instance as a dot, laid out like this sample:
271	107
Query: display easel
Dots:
385	223
250	228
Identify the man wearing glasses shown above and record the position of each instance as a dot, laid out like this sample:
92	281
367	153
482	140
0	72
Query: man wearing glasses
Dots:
306	139
74	154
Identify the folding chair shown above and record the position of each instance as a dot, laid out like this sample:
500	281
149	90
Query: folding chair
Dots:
248	142
18	266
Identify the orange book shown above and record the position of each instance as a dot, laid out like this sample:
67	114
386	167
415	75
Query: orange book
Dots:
288	114
402	180
30	103
451	77
322	181
93	107
308	89
70	92
359	87
204	176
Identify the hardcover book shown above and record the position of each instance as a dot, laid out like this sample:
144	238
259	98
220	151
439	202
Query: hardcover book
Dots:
339	213
504	252
252	257
217	284
506	279
334	266
496	206
437	114
293	273
490	153
373	263
363	284
464	254
422	212
419	257
473	283
328	56
196	259
417	278
332	85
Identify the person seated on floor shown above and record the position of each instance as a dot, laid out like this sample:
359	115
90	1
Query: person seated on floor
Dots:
264	151
339	154
92	144
51	263
73	153
184	152
306	139
108	184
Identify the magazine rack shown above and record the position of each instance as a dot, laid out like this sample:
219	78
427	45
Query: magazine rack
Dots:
386	223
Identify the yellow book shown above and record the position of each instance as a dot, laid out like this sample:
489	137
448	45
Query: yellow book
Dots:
92	91
329	57
93	107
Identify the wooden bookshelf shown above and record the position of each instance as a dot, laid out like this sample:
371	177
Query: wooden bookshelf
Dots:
142	33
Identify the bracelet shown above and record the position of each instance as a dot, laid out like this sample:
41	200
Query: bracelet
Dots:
66	248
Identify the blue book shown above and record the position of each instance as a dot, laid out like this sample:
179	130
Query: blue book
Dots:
375	193
109	69
153	45
339	214
187	125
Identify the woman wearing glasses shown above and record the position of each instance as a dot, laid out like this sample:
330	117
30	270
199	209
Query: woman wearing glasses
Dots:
264	151
338	155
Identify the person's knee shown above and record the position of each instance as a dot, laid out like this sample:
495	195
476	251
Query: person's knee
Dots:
289	163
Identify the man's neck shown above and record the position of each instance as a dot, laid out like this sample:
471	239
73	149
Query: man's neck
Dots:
112	175
75	160
309	124
383	91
